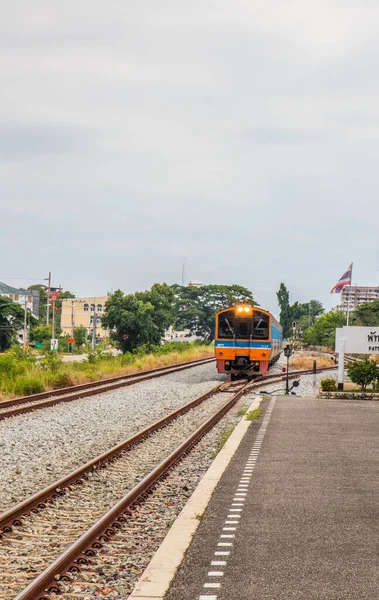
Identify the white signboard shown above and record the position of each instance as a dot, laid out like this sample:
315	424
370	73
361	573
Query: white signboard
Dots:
358	340
54	345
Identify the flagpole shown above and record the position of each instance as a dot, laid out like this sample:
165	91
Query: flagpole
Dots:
348	296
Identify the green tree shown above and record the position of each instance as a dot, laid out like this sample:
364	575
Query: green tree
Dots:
367	314
304	313
285	316
323	331
80	336
196	307
41	333
363	372
141	318
11	320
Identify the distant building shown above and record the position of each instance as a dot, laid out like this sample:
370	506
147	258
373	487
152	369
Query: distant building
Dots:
195	284
17	295
356	296
85	312
172	335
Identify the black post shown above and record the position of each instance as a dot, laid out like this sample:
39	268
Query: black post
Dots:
287	384
287	353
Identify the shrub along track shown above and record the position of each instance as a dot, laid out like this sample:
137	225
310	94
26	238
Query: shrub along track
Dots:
44	525
17	406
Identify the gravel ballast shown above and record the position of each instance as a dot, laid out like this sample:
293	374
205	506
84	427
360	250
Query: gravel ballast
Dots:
37	448
48	533
115	570
306	388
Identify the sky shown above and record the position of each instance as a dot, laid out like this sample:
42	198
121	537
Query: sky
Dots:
241	136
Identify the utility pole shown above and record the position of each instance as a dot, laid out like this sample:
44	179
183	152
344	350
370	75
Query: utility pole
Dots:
348	297
72	318
94	325
183	270
48	298
53	331
25	324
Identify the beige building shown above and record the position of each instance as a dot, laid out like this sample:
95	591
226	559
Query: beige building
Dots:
355	296
85	312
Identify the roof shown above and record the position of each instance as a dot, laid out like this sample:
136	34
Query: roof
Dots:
7	289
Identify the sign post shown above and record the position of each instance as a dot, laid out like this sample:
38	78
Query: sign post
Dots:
341	363
54	345
70	342
314	376
356	340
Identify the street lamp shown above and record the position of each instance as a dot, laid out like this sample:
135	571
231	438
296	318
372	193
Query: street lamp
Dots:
287	353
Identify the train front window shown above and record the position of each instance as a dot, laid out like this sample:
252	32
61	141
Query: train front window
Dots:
260	326
226	325
242	329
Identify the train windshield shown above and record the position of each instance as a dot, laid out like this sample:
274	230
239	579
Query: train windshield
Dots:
226	325
243	328
260	326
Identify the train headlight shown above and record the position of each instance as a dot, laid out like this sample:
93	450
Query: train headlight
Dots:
246	309
239	309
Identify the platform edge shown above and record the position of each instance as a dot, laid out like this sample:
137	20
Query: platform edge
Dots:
161	570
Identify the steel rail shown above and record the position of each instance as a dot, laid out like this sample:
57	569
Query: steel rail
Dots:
88	389
36	501
113	519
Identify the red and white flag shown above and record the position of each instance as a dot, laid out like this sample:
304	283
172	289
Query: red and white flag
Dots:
345	280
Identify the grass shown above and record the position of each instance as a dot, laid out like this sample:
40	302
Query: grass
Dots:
254	414
305	361
241	412
224	436
22	374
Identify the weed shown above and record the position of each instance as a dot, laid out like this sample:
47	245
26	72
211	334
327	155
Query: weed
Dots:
61	380
305	361
224	436
28	384
242	412
328	385
254	414
21	374
199	516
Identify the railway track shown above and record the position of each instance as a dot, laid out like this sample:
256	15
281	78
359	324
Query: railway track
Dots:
17	406
77	507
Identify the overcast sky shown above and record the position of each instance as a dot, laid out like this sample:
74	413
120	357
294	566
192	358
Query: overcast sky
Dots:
241	135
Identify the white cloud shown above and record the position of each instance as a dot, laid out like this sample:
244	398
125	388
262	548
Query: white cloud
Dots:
243	135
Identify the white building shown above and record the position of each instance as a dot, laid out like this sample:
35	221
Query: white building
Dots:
356	296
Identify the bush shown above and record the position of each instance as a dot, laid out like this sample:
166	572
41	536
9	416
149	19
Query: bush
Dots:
61	380
328	385
28	384
51	362
363	372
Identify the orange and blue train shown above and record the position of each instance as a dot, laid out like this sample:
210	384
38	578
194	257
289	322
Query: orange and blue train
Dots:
248	341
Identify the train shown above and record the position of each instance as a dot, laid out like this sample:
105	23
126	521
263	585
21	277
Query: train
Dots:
248	341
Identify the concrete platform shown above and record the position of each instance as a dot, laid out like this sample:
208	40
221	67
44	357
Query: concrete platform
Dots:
296	513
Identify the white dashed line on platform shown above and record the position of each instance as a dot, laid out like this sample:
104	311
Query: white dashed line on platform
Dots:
238	500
